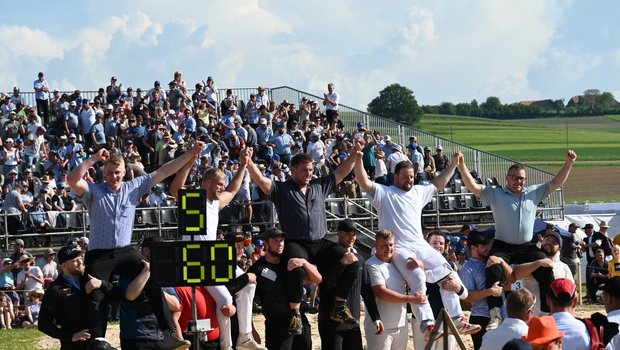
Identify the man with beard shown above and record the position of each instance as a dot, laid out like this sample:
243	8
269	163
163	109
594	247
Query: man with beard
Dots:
551	246
514	212
400	210
300	204
271	274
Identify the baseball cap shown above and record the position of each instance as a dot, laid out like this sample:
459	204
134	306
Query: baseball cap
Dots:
6	260
478	238
563	289
273	232
275	157
68	253
232	108
347	225
397	147
555	235
83	240
262	121
360	124
19	241
572	224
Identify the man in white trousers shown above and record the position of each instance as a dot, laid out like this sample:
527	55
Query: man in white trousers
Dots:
399	208
219	197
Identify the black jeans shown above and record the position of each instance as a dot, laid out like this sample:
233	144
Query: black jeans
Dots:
519	254
126	261
334	339
43	110
325	254
477	337
277	338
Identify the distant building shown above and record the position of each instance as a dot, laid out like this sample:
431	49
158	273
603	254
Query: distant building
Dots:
544	104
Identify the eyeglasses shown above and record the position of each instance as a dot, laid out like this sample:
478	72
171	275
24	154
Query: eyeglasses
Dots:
517	177
35	296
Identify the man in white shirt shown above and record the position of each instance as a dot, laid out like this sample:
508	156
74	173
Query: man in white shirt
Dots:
519	306
551	246
562	302
331	101
316	148
389	289
394	158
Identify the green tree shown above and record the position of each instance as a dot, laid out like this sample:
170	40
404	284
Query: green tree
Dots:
447	108
606	100
492	107
398	103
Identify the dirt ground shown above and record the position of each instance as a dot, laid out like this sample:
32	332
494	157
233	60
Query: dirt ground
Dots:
113	330
592	182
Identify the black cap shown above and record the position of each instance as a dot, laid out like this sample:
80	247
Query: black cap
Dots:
273	232
478	238
147	241
587	226
68	253
347	225
612	287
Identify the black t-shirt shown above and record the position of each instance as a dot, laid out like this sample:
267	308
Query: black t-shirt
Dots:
270	288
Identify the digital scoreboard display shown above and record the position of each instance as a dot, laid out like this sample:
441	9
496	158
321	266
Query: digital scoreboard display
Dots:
192	263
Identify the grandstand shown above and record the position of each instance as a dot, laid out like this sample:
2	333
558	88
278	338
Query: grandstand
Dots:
452	206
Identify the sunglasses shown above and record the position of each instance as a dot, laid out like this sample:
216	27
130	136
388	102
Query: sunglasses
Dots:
518	178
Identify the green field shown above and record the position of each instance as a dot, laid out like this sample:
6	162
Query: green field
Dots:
595	139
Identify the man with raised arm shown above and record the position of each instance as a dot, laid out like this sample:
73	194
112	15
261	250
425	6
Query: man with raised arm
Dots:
219	197
112	206
514	211
300	204
400	211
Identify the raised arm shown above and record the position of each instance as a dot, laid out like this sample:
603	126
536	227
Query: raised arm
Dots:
258	178
233	187
173	166
468	180
180	178
75	178
344	168
360	174
442	180
137	285
562	175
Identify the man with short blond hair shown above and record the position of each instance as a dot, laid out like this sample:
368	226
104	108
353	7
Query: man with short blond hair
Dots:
519	309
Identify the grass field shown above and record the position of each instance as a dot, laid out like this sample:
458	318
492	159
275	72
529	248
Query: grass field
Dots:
534	140
543	143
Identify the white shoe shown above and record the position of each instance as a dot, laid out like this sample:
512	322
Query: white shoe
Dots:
495	318
464	327
246	342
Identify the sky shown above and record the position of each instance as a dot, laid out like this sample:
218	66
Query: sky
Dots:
443	50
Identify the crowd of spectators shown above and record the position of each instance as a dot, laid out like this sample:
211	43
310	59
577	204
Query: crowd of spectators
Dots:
40	144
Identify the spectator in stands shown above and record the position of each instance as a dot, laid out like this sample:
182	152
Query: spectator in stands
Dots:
282	143
395	156
14	207
7	313
31	314
331	101
108	236
614	263
514	223
235	144
604	236
350	337
30	277
261	98
75	152
590	243
407	200
551	245
158	198
380	175
473	278
7	281
598	274
417	158
50	269
441	160
113	91
12	128
562	302
10	157
42	96
34	147
519	309
429	163
389	289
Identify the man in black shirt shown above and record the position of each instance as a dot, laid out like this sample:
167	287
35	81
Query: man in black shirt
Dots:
271	275
336	336
62	314
300	204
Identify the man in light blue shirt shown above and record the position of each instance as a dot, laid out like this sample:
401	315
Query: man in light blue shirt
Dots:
282	143
514	211
112	206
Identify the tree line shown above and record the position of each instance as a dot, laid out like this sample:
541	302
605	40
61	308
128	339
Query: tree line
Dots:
398	103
